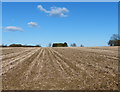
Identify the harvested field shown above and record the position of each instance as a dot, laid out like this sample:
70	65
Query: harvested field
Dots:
60	68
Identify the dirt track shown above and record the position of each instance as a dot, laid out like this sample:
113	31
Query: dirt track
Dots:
78	68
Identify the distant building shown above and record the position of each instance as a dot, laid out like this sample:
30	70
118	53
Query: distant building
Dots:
60	45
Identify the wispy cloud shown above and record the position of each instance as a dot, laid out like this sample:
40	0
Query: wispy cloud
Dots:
12	28
55	11
33	24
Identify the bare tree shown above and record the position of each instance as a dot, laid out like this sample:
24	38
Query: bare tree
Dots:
114	40
49	45
73	45
38	45
115	37
81	45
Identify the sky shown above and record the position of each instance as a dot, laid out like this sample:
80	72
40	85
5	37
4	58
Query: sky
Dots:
87	23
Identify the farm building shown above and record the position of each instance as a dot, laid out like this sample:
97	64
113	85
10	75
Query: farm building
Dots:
60	45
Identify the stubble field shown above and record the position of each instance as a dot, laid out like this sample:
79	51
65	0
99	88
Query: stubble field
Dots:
61	68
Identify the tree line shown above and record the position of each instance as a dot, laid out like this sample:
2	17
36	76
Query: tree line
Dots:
49	45
114	41
64	45
19	45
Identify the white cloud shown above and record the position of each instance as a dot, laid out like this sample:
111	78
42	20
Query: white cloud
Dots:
33	24
42	9
12	28
54	11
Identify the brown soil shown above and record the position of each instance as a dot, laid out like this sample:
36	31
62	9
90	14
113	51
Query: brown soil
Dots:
65	68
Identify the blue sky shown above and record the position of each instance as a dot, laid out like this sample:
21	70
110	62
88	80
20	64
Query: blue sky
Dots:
87	23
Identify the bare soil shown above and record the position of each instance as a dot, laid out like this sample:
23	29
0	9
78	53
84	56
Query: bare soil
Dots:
61	68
